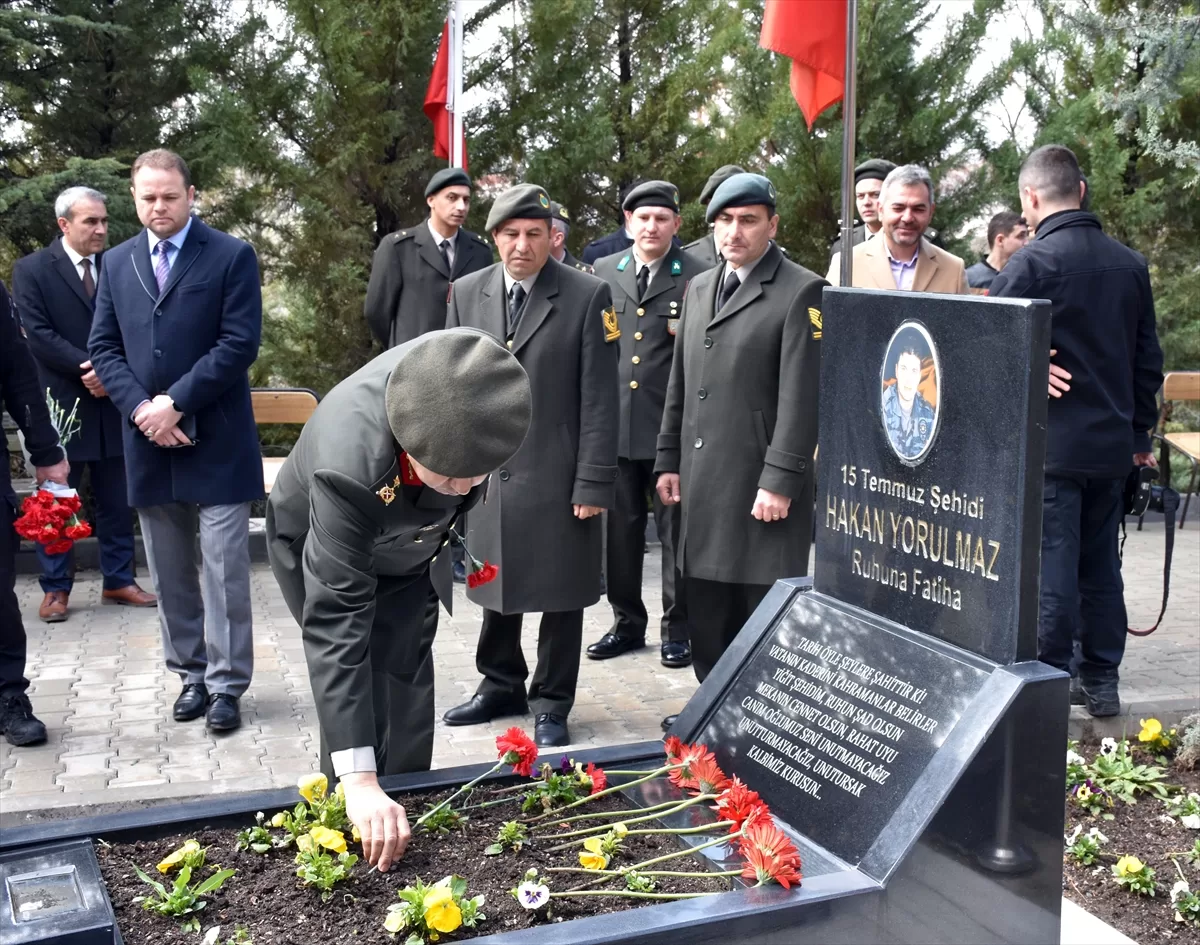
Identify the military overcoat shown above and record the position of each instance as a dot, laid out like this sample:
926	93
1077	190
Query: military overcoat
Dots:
548	559
648	332
704	250
741	414
406	295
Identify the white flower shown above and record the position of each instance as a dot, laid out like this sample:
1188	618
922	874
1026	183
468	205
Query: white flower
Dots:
1075	759
1181	888
1191	821
533	895
1096	835
1074	834
1108	746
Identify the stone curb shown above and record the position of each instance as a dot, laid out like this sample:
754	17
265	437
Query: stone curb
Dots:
1168	711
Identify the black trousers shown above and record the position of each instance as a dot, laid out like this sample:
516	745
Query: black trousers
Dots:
624	557
1083	595
718	612
12	630
502	662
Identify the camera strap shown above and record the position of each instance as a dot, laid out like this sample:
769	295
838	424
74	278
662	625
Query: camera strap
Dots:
1170	506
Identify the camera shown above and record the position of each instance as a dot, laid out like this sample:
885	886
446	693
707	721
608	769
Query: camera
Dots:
1142	494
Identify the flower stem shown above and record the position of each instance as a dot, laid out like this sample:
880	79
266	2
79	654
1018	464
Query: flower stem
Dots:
678	806
670	856
628	894
580	869
604	813
612	790
678	831
462	790
503	800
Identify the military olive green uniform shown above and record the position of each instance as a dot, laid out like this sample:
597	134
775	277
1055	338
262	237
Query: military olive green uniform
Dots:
406	295
704	251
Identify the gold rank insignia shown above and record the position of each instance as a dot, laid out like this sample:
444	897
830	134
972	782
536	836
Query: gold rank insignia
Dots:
612	330
814	316
388	493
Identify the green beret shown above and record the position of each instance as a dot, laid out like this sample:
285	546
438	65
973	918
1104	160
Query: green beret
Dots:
653	193
741	190
874	169
559	212
522	202
719	176
458	402
447	177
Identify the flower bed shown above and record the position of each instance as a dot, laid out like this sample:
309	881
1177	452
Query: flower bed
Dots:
495	858
1133	835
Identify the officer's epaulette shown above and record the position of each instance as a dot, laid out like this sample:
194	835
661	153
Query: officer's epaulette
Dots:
402	235
584	267
480	238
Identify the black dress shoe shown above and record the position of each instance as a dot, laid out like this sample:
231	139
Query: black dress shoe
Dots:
485	706
611	645
223	713
676	654
669	721
550	731
191	702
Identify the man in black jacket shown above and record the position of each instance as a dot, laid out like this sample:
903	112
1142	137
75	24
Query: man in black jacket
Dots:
22	397
1107	369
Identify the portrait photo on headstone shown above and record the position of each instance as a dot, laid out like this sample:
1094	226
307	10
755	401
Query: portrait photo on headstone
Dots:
910	387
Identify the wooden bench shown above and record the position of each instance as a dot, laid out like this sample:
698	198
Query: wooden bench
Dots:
280	405
1179	385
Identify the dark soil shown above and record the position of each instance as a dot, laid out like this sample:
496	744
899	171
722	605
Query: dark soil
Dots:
266	898
1135	830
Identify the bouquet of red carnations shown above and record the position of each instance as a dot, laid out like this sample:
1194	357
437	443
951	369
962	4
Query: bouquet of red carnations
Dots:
51	518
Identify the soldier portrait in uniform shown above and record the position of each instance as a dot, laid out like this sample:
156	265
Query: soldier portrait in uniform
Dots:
911	391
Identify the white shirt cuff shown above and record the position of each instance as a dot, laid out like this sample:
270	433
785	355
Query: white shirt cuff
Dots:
349	760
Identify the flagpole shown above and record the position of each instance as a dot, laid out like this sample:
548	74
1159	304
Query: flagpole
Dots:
848	108
454	90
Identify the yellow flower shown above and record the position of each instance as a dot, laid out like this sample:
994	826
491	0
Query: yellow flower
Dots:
354	834
279	819
340	790
593	858
394	921
1151	729
305	843
333	840
191	847
1129	866
619	831
313	787
442	913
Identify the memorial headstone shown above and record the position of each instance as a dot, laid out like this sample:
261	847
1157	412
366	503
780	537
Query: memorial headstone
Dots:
54	895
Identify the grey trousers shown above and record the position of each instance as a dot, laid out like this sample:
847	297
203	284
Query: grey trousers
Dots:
203	591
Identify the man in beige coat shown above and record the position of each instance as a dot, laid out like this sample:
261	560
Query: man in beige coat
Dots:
901	258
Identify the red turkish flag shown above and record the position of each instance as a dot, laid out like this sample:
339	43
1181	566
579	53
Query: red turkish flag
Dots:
436	97
813	35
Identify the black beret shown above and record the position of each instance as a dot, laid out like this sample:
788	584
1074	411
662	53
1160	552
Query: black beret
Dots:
458	402
741	190
719	176
522	202
874	169
447	177
559	212
653	193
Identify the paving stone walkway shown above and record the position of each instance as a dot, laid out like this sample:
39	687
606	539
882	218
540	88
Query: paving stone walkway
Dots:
99	683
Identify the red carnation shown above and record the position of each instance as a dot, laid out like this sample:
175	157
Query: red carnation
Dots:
76	532
43	498
597	776
517	749
736	804
710	779
59	547
487	572
770	856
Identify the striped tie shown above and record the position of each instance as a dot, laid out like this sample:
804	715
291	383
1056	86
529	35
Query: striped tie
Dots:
162	271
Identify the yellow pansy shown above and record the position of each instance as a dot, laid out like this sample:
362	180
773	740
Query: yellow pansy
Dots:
333	840
354	834
340	790
305	843
190	848
1151	729
441	912
619	831
394	921
313	787
1129	865
593	857
279	819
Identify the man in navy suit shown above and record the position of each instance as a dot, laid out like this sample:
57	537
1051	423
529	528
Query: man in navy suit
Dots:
177	326
54	290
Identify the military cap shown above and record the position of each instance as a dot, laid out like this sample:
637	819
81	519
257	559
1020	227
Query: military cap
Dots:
719	176
458	402
522	202
741	190
447	177
559	212
653	193
874	169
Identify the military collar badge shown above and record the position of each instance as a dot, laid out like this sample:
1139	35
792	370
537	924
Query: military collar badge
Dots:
676	267
388	493
623	263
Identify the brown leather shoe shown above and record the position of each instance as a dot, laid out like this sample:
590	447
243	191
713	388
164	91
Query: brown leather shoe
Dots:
129	596
54	607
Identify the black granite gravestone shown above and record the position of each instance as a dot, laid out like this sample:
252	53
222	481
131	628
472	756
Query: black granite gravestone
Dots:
53	895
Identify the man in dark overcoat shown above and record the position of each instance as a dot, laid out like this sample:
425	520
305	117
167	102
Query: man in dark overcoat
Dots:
648	283
541	522
357	526
704	249
740	423
177	326
55	290
413	267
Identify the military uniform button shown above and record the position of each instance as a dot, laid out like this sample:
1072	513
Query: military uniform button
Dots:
641	312
509	343
636	359
633	385
504	475
699	442
418	540
637	336
703	393
708	342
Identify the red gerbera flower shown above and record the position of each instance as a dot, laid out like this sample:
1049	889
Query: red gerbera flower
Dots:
770	856
598	778
688	756
710	779
736	804
517	749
